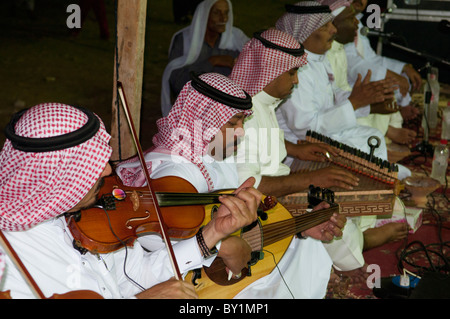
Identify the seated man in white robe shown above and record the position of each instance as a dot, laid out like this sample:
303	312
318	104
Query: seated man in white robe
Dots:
209	131
269	76
346	23
209	44
53	165
390	125
362	57
318	105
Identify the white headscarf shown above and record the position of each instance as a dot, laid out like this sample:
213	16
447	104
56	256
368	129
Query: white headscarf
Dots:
193	38
301	26
336	6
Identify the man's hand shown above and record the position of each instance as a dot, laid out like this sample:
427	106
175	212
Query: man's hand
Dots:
414	76
333	176
236	253
316	152
234	213
386	107
409	112
402	82
329	229
365	92
170	289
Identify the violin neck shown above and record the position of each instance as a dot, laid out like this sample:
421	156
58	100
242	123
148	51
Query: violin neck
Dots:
186	199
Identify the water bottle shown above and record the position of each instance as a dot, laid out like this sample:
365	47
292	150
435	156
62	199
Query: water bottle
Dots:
440	162
432	86
445	134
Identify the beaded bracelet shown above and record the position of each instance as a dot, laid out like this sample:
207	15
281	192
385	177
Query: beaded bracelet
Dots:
206	252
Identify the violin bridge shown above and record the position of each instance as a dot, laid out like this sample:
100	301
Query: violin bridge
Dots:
135	200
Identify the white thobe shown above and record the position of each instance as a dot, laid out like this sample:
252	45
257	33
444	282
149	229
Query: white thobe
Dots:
337	58
318	104
305	266
47	252
262	150
339	64
362	58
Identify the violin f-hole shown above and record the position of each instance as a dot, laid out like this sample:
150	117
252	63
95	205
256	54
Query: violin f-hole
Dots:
131	220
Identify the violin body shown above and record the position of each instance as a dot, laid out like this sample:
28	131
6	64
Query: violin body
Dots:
120	221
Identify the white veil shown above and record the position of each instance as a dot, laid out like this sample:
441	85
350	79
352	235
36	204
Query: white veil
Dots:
193	37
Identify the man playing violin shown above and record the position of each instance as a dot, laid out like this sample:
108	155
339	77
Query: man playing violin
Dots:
209	113
52	163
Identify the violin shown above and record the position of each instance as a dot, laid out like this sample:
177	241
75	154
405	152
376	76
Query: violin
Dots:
123	213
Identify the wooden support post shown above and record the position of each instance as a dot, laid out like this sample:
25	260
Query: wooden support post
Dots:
128	69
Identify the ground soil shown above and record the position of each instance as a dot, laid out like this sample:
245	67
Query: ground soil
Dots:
41	62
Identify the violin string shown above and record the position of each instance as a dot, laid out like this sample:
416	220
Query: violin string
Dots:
126	252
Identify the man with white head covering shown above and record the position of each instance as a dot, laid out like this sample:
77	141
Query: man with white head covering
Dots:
53	164
209	44
209	112
318	105
362	57
390	125
266	69
317	102
264	147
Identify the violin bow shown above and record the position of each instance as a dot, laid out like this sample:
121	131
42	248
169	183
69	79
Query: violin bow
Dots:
147	178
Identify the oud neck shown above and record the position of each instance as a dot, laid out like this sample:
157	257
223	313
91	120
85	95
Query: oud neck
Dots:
277	231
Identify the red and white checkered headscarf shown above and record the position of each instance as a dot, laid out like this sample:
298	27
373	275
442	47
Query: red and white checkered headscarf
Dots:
258	65
190	126
301	26
35	187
